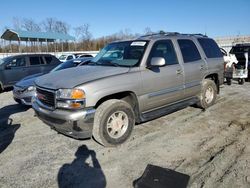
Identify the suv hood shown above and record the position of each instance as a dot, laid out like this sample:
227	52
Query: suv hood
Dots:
72	77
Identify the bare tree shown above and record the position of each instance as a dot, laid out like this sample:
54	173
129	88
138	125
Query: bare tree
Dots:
82	32
84	35
30	25
49	24
147	31
17	23
61	27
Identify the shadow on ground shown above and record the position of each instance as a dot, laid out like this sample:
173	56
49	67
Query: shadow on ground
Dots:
7	128
81	173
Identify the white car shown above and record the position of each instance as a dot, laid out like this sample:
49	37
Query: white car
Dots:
66	57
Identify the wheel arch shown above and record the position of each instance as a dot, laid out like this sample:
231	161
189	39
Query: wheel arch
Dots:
215	78
127	96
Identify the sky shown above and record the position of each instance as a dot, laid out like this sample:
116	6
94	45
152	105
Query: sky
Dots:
212	17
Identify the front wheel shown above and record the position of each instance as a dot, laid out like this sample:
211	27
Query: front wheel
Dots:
208	94
113	123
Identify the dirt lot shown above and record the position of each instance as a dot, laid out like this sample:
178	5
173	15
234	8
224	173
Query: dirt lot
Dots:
213	147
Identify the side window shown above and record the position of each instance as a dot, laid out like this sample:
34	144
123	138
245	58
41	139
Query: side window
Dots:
210	48
48	59
34	61
189	50
166	50
17	62
69	57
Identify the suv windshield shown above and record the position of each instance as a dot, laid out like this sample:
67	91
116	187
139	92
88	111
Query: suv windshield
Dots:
127	54
4	60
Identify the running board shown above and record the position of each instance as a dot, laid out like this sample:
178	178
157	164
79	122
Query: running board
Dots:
168	109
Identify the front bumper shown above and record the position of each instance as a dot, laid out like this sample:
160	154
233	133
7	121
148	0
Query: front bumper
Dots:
76	124
24	97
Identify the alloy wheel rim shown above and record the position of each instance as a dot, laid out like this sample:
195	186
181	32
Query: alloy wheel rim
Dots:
117	124
209	95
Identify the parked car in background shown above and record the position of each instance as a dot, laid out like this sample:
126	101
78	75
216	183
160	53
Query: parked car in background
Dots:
130	82
66	57
24	90
15	68
242	53
84	55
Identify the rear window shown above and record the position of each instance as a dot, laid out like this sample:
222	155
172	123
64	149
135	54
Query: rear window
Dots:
210	48
34	60
189	51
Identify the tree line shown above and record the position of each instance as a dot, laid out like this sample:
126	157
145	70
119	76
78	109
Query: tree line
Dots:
84	38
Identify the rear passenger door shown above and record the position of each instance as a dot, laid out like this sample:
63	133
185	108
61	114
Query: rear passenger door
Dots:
162	85
194	66
213	56
36	64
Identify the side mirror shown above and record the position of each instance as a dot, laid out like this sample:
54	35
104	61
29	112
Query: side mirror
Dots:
157	62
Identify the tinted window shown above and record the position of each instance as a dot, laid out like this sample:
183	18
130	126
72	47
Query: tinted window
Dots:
48	59
17	62
69	57
210	48
34	61
189	50
166	50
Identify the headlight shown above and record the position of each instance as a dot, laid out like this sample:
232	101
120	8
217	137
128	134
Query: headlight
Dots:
70	98
31	88
70	94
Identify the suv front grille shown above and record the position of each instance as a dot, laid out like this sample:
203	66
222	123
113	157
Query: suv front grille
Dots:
46	97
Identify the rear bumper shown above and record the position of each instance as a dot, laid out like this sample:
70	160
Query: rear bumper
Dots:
76	124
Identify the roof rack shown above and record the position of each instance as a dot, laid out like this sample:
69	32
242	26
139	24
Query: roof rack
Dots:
160	33
171	34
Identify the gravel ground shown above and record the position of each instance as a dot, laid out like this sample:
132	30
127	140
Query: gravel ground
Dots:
212	147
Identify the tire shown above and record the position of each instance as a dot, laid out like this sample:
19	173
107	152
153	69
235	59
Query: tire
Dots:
241	81
229	81
208	94
108	117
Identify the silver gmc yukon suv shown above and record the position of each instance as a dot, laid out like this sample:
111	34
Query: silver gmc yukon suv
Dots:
130	82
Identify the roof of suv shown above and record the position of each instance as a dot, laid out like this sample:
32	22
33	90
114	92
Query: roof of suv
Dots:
155	36
22	55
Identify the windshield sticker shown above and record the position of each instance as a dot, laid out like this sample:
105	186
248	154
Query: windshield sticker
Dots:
138	43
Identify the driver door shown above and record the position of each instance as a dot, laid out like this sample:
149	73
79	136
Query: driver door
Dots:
162	85
15	70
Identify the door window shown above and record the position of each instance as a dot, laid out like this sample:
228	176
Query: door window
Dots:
210	48
17	62
166	50
69	57
48	59
189	51
34	61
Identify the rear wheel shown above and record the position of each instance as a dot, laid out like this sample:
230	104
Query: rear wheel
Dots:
113	123
241	81
208	94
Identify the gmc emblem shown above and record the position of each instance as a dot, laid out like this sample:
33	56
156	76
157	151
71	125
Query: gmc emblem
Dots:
41	96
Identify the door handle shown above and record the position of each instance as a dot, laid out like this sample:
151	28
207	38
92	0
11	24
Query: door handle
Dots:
179	71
